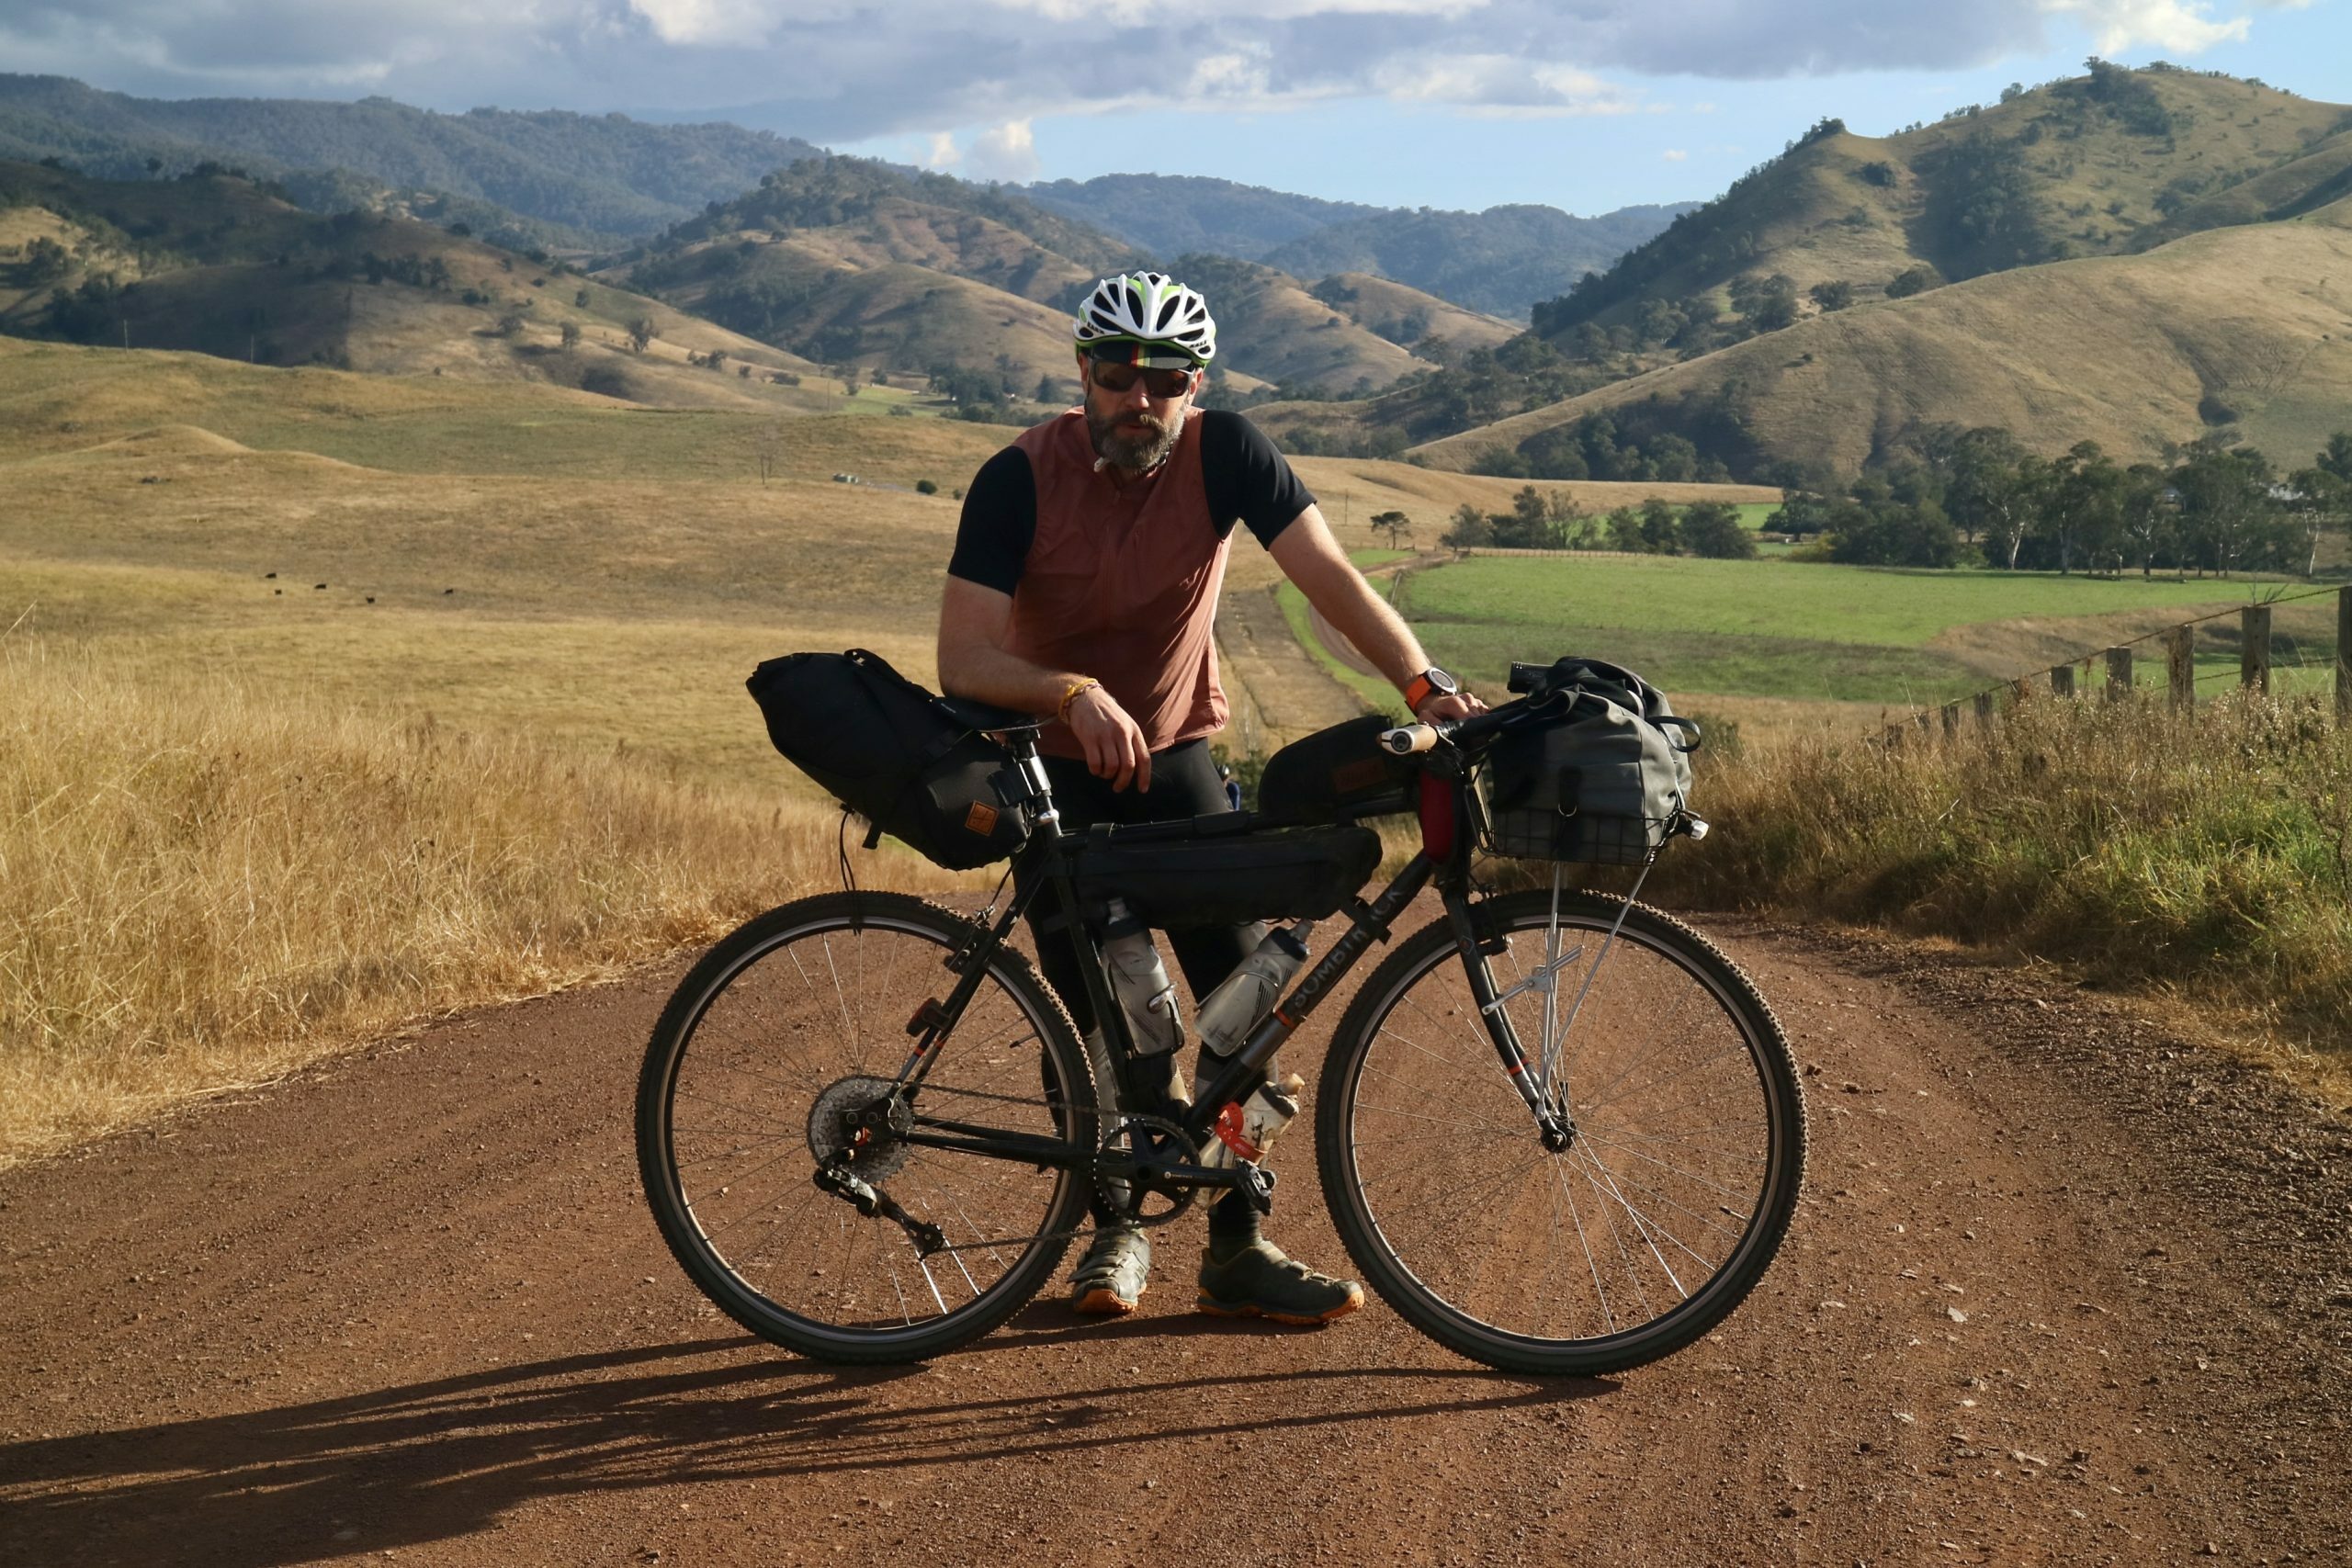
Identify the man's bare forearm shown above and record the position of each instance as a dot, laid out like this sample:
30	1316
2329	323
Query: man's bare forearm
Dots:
992	675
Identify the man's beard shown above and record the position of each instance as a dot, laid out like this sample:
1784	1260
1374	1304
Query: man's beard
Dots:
1135	454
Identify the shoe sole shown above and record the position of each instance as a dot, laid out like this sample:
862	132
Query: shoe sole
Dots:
1105	1301
1215	1308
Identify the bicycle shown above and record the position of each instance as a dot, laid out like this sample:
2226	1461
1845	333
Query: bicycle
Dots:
1558	1131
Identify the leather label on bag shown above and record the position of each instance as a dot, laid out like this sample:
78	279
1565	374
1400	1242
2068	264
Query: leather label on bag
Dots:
981	818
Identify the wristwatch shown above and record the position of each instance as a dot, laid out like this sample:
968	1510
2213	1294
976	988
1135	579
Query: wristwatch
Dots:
1430	683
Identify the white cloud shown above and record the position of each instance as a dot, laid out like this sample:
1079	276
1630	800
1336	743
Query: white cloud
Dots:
854	69
941	153
1675	155
1007	153
2177	25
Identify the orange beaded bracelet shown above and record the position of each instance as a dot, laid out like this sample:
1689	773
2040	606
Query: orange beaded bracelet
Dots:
1076	688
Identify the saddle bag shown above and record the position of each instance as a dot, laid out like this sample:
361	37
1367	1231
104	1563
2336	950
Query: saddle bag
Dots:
1605	783
893	753
1216	876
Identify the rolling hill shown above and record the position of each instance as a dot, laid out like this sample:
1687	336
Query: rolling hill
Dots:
2245	329
224	265
2102	164
853	262
603	175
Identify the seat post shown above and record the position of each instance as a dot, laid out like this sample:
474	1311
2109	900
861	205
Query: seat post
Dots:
1022	744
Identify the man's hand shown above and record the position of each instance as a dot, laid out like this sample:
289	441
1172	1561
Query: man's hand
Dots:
1458	704
1114	745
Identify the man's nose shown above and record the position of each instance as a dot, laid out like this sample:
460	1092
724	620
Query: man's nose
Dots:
1136	397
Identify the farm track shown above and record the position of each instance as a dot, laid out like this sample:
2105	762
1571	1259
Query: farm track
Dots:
2062	1290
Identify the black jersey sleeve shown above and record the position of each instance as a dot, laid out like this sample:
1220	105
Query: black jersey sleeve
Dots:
999	522
1248	481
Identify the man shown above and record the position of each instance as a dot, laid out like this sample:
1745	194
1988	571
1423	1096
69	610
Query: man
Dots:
1083	585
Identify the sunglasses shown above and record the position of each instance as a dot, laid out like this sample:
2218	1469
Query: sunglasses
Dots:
1160	384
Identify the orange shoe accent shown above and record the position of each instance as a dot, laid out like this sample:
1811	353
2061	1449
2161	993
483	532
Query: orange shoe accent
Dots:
1105	1301
1214	1308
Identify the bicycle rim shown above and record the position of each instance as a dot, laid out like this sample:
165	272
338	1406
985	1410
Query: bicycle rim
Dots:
793	1016
1665	1207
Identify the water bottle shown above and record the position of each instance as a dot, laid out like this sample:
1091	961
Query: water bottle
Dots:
1141	982
1247	1128
1249	993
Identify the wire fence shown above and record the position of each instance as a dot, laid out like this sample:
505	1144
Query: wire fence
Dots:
2259	653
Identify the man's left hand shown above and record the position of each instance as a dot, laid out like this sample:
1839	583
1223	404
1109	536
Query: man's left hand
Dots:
1457	704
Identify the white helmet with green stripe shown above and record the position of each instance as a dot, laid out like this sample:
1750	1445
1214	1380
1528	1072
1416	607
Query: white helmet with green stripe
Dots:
1151	310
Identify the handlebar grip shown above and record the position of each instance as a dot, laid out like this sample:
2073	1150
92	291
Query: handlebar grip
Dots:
1408	740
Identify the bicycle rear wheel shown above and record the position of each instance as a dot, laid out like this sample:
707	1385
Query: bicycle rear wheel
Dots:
1667	1205
799	1016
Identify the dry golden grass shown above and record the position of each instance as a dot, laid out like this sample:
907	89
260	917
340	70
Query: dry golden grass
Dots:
207	883
2119	350
2207	862
1380	302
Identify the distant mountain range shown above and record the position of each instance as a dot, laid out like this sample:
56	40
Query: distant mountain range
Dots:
1499	261
604	176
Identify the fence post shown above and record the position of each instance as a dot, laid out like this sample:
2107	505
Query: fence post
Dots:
1984	710
2061	681
2180	667
2118	673
2254	647
1952	721
2344	655
2021	690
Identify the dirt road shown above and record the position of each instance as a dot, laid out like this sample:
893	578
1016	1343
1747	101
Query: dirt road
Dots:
2061	1291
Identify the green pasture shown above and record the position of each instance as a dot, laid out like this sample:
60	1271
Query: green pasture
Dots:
1806	632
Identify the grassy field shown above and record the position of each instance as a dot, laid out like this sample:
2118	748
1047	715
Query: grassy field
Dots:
1816	633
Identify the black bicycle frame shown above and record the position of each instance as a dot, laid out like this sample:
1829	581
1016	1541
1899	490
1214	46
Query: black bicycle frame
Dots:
1044	867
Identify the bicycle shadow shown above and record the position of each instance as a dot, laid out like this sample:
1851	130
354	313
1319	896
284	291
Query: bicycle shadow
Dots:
431	1461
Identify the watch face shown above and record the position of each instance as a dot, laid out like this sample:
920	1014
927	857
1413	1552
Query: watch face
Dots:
1442	684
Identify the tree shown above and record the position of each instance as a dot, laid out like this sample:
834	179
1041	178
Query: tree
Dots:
1396	525
510	325
1661	530
1912	280
45	260
2337	458
1470	529
1712	529
1835	295
2082	506
2225	506
640	334
2146	515
715	359
571	335
2318	500
155	166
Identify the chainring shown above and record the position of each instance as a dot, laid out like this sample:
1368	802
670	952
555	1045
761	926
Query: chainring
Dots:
1120	1199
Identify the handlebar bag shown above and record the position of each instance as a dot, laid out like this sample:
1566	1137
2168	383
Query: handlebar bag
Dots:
1228	879
1604	783
893	753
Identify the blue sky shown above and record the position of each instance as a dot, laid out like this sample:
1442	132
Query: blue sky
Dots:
1587	105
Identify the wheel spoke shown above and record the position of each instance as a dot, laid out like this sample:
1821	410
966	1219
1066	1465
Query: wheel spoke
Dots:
1681	1145
767	1061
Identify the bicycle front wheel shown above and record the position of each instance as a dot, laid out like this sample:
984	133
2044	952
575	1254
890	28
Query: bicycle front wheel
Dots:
801	1016
1670	1196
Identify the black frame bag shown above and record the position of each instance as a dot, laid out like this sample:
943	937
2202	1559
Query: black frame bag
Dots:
893	753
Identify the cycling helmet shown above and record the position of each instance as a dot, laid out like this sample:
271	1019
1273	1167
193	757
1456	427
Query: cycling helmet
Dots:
1152	312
